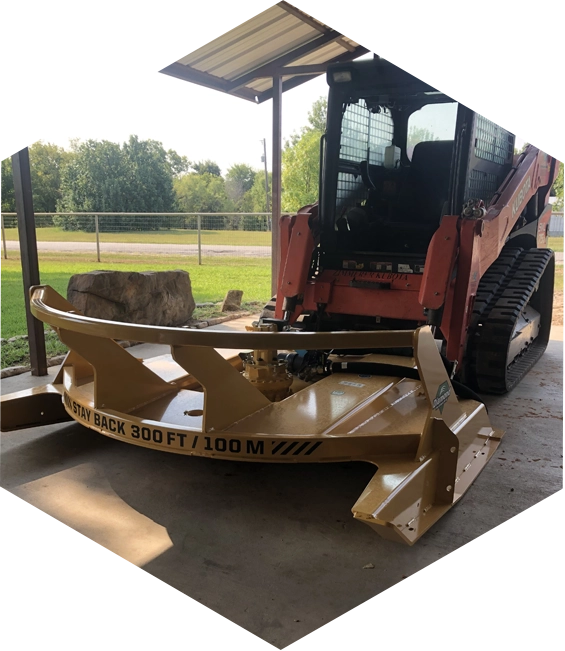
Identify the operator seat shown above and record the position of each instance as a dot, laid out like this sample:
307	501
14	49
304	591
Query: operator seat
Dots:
428	182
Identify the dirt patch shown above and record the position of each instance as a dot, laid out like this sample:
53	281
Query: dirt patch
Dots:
557	309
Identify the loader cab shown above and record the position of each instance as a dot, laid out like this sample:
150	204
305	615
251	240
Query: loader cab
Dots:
387	164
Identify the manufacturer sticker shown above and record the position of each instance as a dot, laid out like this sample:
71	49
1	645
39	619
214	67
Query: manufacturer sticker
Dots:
405	269
442	395
352	384
353	264
381	266
337	393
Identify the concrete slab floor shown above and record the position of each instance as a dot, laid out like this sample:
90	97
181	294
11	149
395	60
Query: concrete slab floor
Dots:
273	548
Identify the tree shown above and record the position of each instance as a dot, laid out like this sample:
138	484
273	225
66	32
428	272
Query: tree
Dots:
103	176
179	164
255	200
522	150
558	189
318	115
239	180
149	176
416	135
202	193
301	160
47	162
206	167
8	201
300	171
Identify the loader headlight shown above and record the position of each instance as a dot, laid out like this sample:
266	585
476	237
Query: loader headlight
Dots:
341	76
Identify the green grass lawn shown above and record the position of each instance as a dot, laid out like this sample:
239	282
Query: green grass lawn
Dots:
210	281
556	243
235	238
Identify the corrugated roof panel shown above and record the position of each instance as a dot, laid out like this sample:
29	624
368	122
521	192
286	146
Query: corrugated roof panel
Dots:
243	31
275	40
271	36
273	47
322	55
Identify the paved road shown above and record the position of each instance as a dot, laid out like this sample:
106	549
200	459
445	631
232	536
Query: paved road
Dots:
208	250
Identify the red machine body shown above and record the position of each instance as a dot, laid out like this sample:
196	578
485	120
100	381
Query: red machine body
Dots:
460	252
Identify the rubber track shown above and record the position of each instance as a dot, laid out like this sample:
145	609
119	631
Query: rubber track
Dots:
498	305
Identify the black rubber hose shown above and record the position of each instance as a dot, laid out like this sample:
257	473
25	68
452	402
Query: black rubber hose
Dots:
396	370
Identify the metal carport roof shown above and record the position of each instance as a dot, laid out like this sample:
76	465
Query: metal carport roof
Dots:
275	51
279	41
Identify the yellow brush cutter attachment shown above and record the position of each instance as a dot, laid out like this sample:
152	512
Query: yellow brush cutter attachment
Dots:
427	444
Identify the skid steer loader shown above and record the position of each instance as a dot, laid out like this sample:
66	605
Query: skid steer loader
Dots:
418	279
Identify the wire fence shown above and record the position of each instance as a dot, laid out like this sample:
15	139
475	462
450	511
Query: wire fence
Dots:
203	235
221	251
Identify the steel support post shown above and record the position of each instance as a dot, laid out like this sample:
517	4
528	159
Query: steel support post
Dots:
28	251
276	184
4	240
97	229
199	226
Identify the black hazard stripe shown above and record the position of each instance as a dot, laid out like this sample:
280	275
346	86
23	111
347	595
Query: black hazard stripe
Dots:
286	448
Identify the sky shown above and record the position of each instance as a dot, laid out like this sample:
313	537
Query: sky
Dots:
111	92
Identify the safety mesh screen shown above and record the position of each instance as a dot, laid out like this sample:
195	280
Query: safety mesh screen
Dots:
351	191
481	185
355	133
493	143
490	160
365	135
380	136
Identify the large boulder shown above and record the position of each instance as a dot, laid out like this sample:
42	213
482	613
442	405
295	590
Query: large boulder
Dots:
151	297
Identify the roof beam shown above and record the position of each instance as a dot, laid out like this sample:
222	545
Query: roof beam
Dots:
187	73
301	79
314	69
313	23
271	68
286	85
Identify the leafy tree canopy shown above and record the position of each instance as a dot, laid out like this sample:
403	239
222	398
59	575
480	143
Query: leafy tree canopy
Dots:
558	189
106	177
239	180
301	160
206	167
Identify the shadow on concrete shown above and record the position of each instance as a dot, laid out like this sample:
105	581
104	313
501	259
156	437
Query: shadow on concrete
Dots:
274	548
